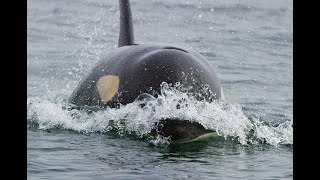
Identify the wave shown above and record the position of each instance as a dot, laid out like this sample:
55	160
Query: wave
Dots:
135	120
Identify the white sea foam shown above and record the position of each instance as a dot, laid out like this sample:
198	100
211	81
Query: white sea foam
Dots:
226	118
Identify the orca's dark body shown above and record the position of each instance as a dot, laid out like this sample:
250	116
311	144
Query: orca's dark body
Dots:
141	69
134	69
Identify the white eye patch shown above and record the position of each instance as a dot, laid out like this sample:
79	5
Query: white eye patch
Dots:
107	87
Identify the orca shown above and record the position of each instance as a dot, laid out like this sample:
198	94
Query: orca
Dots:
132	70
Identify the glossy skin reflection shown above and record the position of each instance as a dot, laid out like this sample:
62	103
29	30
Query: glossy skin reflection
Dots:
133	69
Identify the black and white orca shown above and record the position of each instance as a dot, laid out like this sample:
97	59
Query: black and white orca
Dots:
134	69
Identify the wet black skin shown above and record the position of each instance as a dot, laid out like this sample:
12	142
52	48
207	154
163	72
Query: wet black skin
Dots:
179	130
141	69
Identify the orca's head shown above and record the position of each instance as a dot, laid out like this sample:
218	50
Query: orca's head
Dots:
182	131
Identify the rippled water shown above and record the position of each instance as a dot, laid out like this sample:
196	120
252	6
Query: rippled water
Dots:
250	44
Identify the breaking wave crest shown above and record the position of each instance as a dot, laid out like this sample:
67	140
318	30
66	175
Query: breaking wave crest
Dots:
136	120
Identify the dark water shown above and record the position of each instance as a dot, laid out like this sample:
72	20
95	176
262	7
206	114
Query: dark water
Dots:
250	44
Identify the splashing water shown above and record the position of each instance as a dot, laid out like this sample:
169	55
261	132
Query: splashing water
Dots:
226	118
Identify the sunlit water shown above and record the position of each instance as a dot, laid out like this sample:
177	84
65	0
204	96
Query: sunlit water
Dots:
248	42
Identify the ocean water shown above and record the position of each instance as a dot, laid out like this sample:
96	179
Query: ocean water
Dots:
250	43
